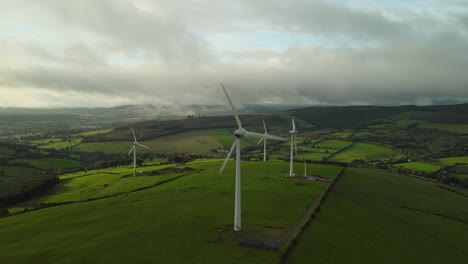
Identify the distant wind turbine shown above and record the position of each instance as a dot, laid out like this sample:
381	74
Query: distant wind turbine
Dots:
239	133
293	146
135	143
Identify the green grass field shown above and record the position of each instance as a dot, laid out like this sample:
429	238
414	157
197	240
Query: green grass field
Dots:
16	171
197	142
333	144
420	166
62	144
450	161
108	147
342	134
366	152
187	219
378	217
455	128
49	163
6	151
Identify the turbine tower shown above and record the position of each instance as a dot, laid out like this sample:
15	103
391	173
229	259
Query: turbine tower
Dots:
264	142
135	143
293	146
238	134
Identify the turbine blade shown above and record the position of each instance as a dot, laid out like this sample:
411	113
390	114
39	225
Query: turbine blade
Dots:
266	136
133	132
131	151
141	145
228	157
294	125
232	107
260	141
265	127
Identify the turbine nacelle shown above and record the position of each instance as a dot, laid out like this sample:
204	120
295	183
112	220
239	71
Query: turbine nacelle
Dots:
240	133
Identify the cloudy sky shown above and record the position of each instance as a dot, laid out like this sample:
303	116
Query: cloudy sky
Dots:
56	53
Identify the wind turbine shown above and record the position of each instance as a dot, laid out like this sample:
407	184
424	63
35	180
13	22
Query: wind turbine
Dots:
135	143
240	133
264	141
293	146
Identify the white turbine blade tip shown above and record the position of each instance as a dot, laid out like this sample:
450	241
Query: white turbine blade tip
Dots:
294	125
232	107
141	145
228	157
131	151
133	132
260	141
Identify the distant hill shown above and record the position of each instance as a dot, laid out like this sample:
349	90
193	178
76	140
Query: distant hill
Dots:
359	116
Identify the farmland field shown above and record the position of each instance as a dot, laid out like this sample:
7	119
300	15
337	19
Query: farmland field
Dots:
49	163
455	128
419	166
198	142
378	217
16	171
107	147
188	218
342	134
366	152
450	161
333	144
62	144
313	155
6	151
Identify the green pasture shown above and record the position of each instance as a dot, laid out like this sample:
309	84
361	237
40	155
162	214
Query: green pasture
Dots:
459	176
379	217
16	171
313	156
450	161
95	132
342	134
455	128
363	134
108	147
408	122
6	151
197	142
49	163
367	152
44	141
189	218
222	135
62	144
333	144
419	166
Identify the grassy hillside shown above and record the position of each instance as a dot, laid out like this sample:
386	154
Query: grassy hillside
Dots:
366	152
189	218
377	217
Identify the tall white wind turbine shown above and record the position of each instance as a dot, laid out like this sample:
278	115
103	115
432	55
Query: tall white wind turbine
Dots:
264	142
135	143
293	146
240	133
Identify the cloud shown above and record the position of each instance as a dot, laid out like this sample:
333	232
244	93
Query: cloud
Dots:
294	52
